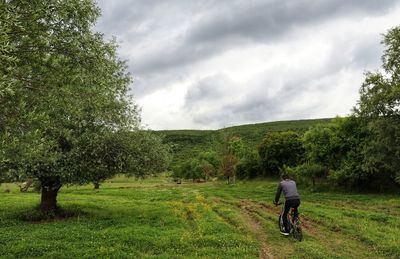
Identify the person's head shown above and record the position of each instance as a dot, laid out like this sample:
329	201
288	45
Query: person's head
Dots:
284	175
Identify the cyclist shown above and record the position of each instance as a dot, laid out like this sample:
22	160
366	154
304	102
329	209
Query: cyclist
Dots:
292	198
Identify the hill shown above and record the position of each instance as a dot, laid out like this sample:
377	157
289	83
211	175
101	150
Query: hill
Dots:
188	143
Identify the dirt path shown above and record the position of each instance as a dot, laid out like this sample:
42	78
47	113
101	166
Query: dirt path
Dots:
257	230
254	226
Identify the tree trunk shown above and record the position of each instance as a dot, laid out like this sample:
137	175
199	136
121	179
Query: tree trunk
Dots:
25	186
96	185
50	188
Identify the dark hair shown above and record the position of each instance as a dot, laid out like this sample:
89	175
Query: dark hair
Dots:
283	172
285	176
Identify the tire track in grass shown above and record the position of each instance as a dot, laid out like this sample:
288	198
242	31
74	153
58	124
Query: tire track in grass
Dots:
253	226
307	225
319	230
256	228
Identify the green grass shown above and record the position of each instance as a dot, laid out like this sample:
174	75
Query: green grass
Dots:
157	218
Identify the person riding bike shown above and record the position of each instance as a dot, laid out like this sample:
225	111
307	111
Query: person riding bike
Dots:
292	198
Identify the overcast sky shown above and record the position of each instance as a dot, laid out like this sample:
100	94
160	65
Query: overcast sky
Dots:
208	64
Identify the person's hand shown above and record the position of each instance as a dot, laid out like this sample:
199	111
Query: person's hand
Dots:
275	203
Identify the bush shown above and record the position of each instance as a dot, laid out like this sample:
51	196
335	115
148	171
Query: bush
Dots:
248	166
308	172
279	149
190	169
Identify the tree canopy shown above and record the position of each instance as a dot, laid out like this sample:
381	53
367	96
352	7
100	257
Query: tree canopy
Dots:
66	112
279	149
379	107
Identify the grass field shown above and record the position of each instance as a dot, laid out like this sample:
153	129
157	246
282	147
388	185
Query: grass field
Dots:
157	218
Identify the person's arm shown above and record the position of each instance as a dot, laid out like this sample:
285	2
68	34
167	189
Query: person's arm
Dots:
278	193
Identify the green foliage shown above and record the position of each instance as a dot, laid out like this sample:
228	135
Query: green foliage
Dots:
238	160
189	143
66	116
190	169
70	89
308	173
236	147
203	166
227	166
379	107
323	145
279	149
101	157
210	157
340	147
248	165
253	134
147	154
209	163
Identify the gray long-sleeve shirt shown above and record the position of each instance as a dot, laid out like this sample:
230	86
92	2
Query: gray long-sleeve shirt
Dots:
289	190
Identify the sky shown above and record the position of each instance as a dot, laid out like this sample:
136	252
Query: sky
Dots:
209	64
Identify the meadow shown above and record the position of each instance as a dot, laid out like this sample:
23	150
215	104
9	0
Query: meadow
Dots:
129	218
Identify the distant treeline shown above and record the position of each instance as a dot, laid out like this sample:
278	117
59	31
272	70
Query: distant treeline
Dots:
188	144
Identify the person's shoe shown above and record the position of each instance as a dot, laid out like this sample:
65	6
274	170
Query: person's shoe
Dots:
284	233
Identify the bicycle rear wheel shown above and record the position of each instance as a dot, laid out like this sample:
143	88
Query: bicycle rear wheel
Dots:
297	232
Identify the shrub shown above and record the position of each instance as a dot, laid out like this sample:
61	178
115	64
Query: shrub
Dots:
248	166
279	149
308	172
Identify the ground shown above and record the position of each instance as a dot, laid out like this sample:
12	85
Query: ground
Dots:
158	218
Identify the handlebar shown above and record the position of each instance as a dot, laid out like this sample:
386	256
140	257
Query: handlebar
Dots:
277	204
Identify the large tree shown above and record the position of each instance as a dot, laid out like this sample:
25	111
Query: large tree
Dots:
379	108
65	114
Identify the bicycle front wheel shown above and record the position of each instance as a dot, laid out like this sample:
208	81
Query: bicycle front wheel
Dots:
280	224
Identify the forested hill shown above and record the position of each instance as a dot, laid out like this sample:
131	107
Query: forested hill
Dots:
188	143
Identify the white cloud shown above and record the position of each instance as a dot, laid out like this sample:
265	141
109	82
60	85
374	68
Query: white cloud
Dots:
192	72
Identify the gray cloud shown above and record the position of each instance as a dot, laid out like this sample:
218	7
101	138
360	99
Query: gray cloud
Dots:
268	100
263	20
168	43
185	32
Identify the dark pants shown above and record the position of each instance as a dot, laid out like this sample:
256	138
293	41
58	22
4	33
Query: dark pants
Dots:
290	204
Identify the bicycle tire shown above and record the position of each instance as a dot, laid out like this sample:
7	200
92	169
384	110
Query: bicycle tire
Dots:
280	224
297	232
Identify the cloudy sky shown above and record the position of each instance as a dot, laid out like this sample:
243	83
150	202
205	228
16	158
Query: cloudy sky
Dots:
207	64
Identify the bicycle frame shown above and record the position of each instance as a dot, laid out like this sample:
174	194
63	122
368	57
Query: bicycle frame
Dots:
294	223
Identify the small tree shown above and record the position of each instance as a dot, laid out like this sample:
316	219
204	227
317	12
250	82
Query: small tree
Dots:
248	166
207	169
233	149
209	163
228	163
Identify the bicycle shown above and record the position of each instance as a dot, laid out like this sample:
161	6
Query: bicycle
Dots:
294	223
